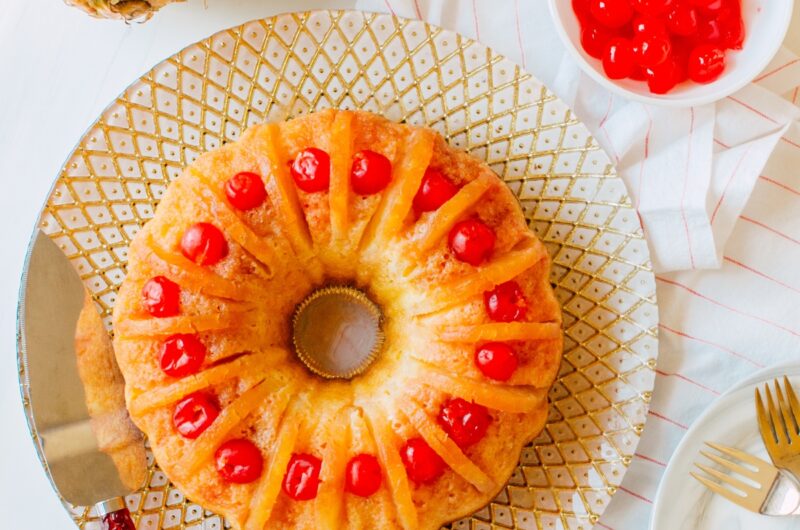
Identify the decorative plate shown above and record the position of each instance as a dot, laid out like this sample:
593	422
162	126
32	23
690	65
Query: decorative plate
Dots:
729	419
410	71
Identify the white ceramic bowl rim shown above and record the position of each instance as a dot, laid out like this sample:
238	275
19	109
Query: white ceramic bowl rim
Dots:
768	19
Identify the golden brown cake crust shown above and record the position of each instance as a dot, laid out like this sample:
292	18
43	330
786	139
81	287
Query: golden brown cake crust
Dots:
103	386
280	252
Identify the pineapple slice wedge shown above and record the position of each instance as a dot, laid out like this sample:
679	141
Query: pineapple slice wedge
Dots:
457	290
386	442
399	196
329	504
281	189
155	327
218	207
270	486
500	331
187	273
445	447
341	159
230	417
450	212
145	401
494	396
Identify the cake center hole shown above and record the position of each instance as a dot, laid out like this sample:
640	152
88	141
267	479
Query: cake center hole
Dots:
337	332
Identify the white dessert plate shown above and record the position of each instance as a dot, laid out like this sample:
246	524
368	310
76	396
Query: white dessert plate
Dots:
682	502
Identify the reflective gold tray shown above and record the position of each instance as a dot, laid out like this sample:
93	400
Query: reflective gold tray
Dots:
291	64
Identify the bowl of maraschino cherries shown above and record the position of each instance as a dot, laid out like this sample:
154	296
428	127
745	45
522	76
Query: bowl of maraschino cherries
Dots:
672	52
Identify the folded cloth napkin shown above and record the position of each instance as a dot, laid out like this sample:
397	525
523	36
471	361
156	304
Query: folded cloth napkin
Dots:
689	171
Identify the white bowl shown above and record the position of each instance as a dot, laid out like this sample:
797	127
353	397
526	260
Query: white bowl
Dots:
765	22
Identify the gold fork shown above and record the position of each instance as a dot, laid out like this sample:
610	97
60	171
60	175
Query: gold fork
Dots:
779	426
764	490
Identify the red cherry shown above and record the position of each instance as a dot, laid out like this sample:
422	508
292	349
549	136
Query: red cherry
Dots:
706	63
371	172
682	20
434	190
618	59
245	191
594	39
194	414
302	477
204	244
466	423
731	28
363	475
651	49
182	355
422	463
708	5
611	13
732	5
311	170
161	297
239	461
709	31
496	360
647	25
680	55
651	7
581	9
506	302
638	73
662	77
471	241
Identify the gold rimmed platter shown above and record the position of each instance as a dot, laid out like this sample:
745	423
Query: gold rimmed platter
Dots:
414	72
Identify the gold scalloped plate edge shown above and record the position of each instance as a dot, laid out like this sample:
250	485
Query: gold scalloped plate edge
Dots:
407	70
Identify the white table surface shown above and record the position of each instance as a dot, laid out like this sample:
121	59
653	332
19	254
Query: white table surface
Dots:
59	68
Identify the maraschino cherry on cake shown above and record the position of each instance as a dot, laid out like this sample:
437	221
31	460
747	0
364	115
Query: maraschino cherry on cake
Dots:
430	425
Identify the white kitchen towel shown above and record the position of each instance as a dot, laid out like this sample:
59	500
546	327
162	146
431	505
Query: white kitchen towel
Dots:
689	172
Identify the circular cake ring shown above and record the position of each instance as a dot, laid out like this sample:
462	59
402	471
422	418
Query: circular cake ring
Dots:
463	286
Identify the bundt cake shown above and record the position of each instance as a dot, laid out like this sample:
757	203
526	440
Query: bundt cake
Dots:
431	425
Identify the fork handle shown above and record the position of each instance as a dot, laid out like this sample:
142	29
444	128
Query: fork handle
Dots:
783	498
115	515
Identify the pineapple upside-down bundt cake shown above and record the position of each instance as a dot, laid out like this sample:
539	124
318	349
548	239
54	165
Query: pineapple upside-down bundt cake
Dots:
205	330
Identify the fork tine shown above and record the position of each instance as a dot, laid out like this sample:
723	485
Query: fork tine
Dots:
764	425
736	453
775	418
724	477
720	490
733	466
786	413
795	405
